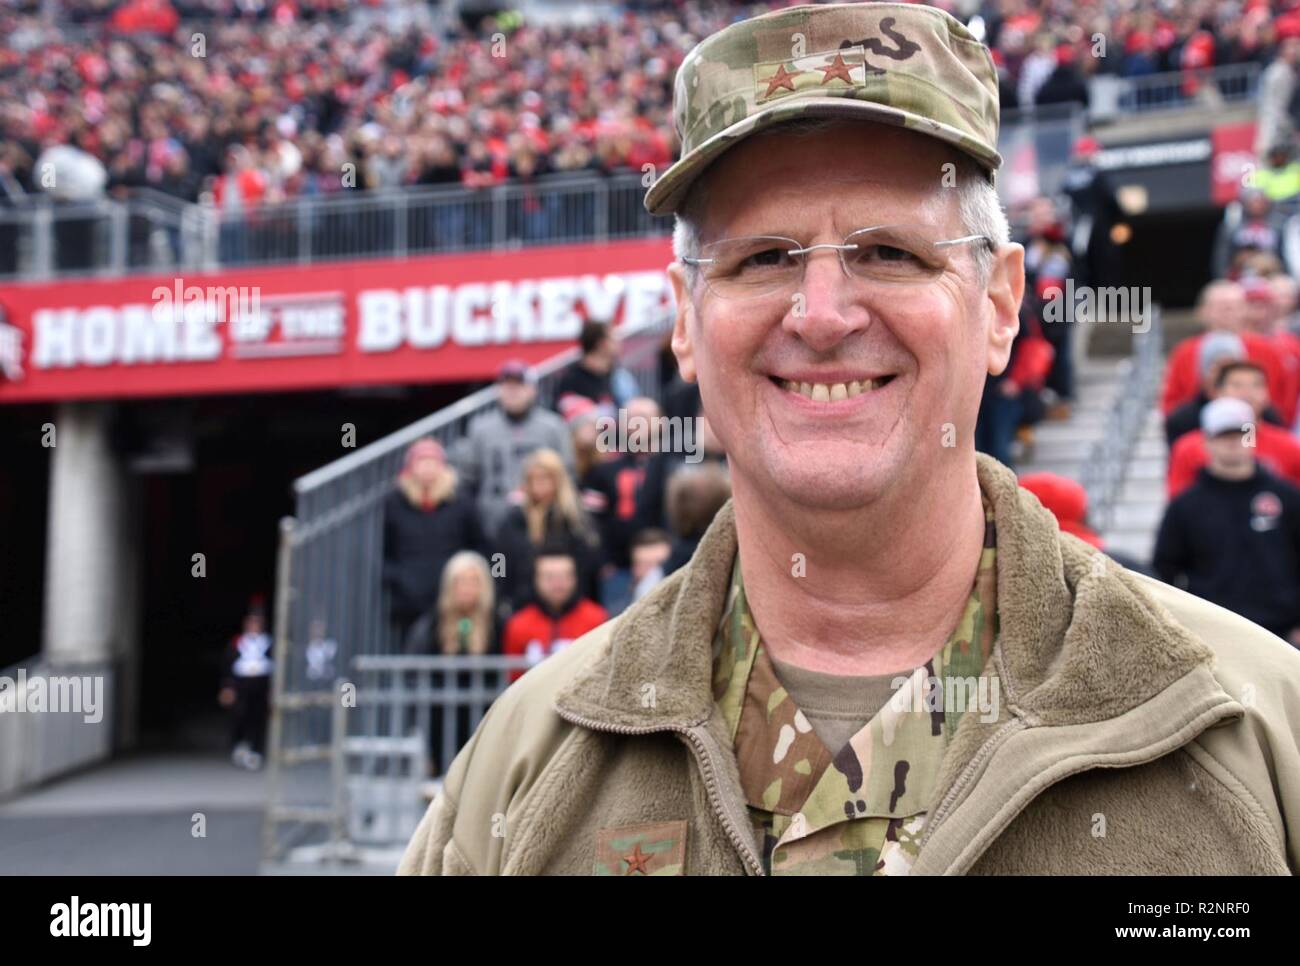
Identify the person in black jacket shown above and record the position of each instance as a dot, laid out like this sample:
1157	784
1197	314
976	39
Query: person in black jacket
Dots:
591	377
425	523
1233	537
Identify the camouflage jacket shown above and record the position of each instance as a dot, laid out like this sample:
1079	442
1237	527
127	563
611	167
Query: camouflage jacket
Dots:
861	810
1140	731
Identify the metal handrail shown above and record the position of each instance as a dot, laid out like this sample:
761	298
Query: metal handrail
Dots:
1165	91
1106	466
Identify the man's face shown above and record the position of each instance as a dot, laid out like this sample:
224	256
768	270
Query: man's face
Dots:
934	343
647	557
1248	385
1223	309
516	395
1228	452
555	580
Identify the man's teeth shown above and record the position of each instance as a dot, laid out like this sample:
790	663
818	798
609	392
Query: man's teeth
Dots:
830	392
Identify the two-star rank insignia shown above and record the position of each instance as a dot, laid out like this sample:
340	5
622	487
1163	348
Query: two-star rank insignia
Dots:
832	71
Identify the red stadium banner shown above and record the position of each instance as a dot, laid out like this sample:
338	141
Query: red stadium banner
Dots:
445	318
1234	159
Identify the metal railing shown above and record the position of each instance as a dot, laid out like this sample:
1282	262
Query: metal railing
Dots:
1107	462
152	232
1050	134
1174	90
326	767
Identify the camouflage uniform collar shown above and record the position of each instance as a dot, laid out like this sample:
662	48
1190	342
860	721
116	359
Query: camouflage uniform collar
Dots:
1079	641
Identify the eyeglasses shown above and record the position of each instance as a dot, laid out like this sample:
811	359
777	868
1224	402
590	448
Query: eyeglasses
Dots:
757	265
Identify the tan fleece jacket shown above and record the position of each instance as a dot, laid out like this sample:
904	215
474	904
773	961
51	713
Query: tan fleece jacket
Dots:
1141	731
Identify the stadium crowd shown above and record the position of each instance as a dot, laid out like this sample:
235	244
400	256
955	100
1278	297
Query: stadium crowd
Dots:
243	103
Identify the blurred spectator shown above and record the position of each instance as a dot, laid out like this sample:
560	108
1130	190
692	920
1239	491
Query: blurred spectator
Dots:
1277	89
1222	308
584	420
648	553
650	550
246	691
652	506
1275	448
1011	398
321	653
1233	537
1067	501
1259	230
695	495
1278	179
492	455
463	624
559	614
1048	266
425	524
550	514
591	377
1065	84
610	489
466	606
1217	349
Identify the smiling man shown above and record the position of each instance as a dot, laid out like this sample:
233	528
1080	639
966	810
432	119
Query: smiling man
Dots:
884	657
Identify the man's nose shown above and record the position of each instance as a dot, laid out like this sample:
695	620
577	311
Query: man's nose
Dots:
827	307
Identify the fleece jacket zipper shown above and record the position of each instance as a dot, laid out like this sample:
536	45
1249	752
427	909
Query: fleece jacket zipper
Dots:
698	741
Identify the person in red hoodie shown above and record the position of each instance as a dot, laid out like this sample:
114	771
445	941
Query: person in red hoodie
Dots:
558	616
1275	448
1222	309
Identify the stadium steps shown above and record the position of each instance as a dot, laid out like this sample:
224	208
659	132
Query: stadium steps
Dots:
1062	446
1141	502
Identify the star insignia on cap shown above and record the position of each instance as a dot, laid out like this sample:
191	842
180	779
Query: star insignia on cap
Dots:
782	78
636	862
837	69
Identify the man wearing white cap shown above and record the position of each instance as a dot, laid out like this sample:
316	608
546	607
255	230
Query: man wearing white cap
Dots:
1233	537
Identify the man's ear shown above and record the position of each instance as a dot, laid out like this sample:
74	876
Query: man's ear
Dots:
682	346
1005	290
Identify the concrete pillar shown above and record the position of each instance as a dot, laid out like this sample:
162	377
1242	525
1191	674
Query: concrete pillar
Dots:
92	579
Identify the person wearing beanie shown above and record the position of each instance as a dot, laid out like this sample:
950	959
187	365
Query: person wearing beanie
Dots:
425	523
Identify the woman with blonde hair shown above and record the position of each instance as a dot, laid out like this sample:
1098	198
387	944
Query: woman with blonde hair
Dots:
466	618
550	513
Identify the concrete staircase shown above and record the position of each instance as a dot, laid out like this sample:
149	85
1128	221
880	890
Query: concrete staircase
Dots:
1062	446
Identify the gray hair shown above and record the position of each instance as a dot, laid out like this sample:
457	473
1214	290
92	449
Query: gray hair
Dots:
978	206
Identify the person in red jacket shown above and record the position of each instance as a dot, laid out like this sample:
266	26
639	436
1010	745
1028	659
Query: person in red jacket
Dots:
558	616
1222	309
1275	448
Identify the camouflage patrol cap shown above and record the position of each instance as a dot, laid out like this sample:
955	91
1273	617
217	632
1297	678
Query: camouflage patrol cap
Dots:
893	63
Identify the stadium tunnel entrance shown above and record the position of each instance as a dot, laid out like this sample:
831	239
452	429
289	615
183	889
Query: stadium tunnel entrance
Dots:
152	483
